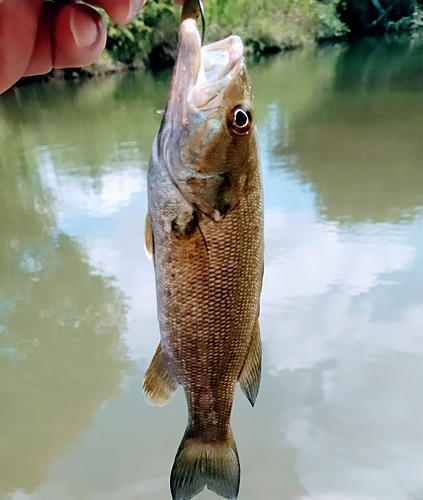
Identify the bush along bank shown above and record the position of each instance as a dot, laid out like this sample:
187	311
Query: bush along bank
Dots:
265	26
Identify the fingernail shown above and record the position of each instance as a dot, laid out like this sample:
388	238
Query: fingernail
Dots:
84	29
134	7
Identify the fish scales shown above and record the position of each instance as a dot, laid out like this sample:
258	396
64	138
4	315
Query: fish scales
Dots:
205	229
205	292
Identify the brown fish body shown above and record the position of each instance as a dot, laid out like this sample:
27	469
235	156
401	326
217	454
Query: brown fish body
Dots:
205	229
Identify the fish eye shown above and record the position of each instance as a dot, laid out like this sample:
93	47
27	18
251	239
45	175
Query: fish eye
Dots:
240	120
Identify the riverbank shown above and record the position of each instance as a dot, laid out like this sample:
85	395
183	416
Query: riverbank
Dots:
265	27
273	26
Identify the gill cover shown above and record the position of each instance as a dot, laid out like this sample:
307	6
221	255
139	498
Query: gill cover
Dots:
206	133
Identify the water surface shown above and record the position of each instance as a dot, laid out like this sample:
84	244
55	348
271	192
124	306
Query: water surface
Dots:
340	411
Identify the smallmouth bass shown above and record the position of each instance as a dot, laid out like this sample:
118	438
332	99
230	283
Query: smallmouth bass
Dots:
204	229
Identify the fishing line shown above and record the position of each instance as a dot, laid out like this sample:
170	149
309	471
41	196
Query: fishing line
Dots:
203	21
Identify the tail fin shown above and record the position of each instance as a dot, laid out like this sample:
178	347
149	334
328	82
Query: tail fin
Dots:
198	464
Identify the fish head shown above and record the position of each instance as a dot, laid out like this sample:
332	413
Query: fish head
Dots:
208	138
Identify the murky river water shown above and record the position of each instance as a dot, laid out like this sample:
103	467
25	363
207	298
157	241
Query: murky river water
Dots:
340	412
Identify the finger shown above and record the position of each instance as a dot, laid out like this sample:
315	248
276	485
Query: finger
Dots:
41	61
18	30
79	36
121	11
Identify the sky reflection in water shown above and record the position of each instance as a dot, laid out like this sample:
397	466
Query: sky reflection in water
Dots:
340	410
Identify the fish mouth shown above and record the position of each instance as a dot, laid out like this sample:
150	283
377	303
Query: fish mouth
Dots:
202	73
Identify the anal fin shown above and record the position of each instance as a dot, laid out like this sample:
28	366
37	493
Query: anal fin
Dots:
148	237
249	380
159	383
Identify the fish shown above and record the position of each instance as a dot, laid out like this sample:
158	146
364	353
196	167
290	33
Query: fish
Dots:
204	232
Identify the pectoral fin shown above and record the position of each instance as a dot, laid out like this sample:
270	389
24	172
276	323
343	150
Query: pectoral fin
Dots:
159	383
148	237
249	380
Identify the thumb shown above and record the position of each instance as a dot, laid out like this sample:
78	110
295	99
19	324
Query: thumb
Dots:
79	36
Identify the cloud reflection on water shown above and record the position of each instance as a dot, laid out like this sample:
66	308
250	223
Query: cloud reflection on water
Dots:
340	409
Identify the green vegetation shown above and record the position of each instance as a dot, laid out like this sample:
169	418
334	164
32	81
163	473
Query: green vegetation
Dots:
153	31
274	23
413	22
368	17
265	25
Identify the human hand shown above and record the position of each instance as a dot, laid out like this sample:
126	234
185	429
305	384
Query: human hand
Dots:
36	36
